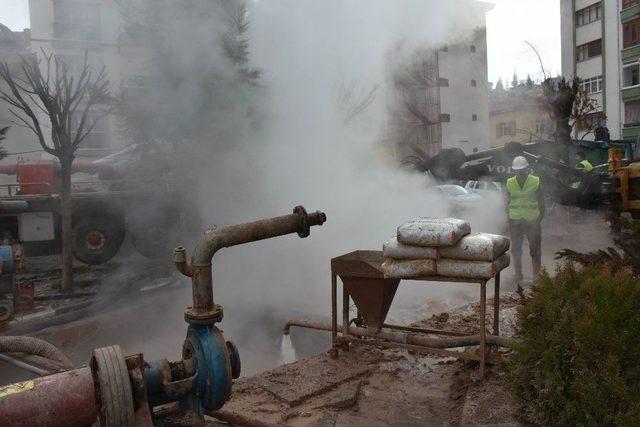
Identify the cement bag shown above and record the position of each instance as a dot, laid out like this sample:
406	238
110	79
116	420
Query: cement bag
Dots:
477	247
433	231
396	250
462	269
408	269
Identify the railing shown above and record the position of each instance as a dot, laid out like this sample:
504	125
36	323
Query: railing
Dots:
82	187
629	3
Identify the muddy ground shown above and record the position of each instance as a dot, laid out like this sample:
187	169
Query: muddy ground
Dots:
366	386
370	386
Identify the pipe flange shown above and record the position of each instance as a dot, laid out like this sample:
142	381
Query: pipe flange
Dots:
204	318
304	229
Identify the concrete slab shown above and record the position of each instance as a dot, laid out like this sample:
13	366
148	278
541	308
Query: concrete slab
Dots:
294	386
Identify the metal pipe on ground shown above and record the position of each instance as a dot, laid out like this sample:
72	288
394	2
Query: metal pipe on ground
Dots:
401	337
33	346
24	365
66	399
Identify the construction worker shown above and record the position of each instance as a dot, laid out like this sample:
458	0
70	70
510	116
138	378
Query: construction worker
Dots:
582	163
525	212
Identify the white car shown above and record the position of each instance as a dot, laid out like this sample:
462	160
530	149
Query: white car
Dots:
484	188
460	200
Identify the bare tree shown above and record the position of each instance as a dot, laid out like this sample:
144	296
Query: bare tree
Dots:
561	96
352	100
570	106
71	105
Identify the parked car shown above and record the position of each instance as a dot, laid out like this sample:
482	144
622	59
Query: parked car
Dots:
459	199
485	187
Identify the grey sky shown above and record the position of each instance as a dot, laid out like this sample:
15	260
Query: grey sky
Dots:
509	24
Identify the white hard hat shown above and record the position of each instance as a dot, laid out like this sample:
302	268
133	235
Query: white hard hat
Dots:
519	163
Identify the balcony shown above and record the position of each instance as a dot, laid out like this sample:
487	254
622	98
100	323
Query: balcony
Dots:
630	54
631	94
630	13
631	131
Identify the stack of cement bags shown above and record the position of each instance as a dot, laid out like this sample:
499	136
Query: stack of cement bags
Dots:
427	247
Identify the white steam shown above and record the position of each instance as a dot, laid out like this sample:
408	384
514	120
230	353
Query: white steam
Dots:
306	155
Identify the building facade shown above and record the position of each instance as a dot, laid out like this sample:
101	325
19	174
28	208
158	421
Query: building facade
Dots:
519	114
601	46
464	93
20	141
71	29
443	102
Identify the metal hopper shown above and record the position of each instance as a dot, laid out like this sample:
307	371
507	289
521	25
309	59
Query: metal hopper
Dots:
363	279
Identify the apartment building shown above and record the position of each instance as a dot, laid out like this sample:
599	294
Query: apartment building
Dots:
520	114
72	28
20	140
601	45
449	105
464	92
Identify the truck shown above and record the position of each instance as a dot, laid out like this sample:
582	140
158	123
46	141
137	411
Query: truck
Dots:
614	183
105	210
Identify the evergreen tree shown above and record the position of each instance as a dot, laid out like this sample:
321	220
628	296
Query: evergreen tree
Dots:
198	81
529	82
514	81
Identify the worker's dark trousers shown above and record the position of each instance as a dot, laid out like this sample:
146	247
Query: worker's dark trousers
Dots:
533	231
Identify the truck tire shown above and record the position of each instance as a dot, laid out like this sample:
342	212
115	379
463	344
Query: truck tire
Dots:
97	239
155	241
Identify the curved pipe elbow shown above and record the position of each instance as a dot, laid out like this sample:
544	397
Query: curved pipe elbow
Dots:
203	253
180	261
184	268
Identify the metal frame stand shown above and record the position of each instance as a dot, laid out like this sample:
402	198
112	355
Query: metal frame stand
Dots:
350	270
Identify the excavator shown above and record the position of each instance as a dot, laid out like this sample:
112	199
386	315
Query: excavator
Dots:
613	184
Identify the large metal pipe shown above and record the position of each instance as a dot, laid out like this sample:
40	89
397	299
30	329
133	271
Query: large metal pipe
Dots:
400	337
66	399
200	269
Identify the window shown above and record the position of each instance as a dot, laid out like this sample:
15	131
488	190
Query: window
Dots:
76	63
543	127
442	82
138	81
631	33
591	121
445	118
631	75
592	85
589	50
472	48
474	117
76	20
589	14
629	3
506	128
632	113
474	83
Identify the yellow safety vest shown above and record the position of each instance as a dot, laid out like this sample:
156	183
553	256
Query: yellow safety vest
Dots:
523	202
587	168
587	165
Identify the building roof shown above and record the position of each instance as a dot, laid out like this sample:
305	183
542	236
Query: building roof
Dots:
13	41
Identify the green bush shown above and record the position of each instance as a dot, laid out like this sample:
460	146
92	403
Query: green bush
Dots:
576	356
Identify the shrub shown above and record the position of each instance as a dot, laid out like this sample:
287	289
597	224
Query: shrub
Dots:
576	355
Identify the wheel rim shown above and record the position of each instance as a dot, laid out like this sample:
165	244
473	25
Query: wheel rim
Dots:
95	240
